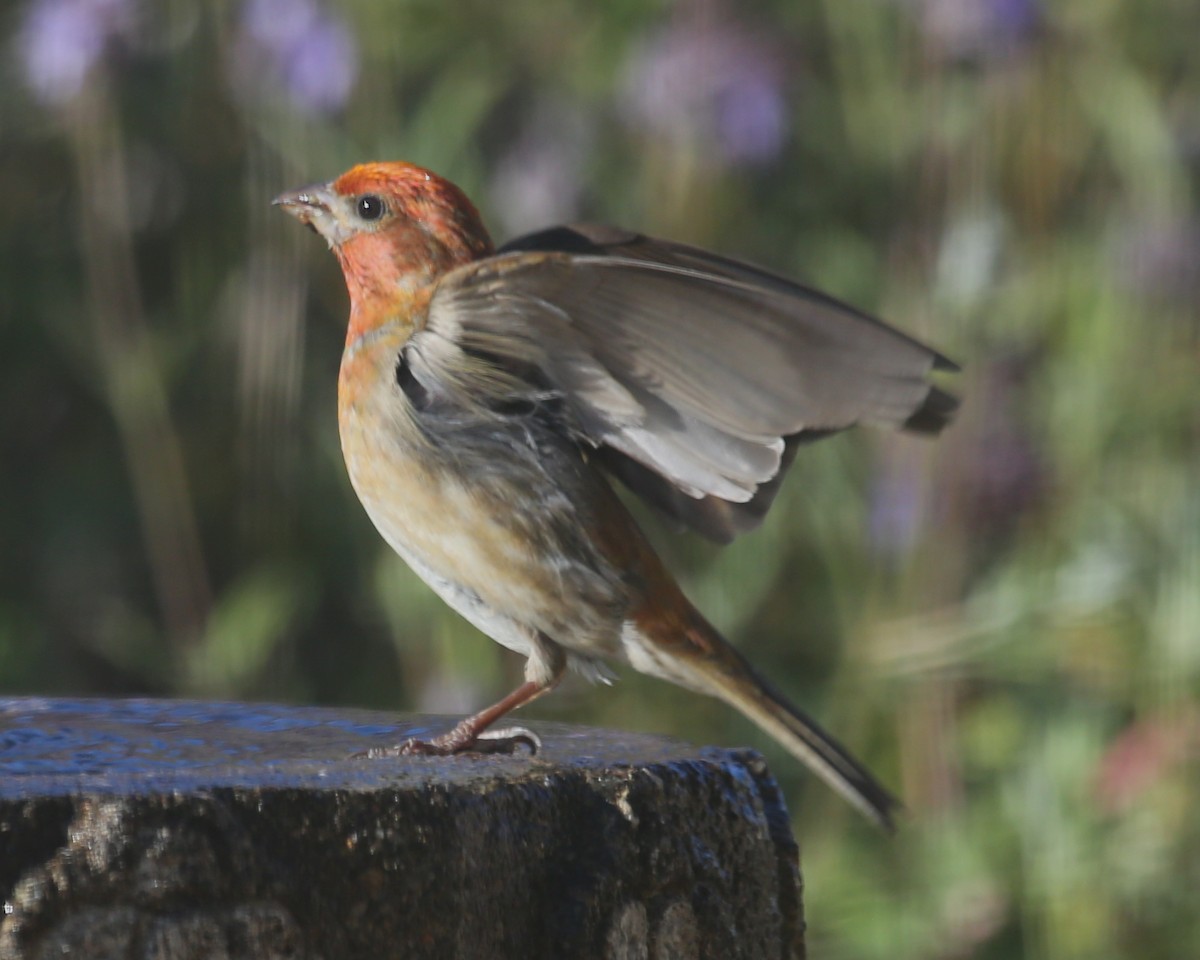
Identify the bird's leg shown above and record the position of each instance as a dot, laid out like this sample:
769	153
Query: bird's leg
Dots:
472	735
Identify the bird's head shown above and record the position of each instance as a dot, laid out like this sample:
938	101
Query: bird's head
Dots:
395	228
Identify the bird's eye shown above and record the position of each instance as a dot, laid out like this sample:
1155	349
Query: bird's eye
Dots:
370	207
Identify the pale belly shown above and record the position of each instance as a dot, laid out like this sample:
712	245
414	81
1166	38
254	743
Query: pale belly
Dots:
502	547
513	633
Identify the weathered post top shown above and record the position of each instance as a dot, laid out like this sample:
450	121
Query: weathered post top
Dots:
169	830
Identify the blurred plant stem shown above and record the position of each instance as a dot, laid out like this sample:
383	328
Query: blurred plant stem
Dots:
130	376
267	313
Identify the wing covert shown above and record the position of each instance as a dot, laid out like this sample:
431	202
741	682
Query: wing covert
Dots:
700	370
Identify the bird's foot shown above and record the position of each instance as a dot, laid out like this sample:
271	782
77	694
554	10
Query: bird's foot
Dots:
508	740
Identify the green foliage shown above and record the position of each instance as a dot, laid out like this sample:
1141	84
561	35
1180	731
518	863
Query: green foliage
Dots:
1006	623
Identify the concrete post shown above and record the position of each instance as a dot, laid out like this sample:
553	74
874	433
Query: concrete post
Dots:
164	830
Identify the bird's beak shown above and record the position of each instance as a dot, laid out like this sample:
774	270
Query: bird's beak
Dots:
302	203
315	206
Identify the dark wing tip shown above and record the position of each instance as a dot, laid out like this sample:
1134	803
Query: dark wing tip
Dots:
886	809
934	414
945	363
578	238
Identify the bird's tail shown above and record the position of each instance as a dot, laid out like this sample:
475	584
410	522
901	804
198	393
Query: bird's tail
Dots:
726	674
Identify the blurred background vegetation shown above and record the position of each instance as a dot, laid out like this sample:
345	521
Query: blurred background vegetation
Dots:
1005	623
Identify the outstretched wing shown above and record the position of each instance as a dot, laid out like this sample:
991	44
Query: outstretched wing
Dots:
695	376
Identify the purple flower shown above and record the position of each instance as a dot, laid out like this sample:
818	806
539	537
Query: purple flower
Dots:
321	66
703	82
978	28
61	40
294	46
1002	474
1160	260
895	506
752	119
278	24
537	181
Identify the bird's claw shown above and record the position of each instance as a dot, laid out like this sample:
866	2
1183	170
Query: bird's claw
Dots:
507	740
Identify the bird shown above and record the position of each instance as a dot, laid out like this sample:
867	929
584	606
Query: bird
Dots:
490	397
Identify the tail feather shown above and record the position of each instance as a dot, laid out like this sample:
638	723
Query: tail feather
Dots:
804	738
726	674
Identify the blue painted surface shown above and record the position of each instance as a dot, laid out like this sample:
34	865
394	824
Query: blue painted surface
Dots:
71	746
